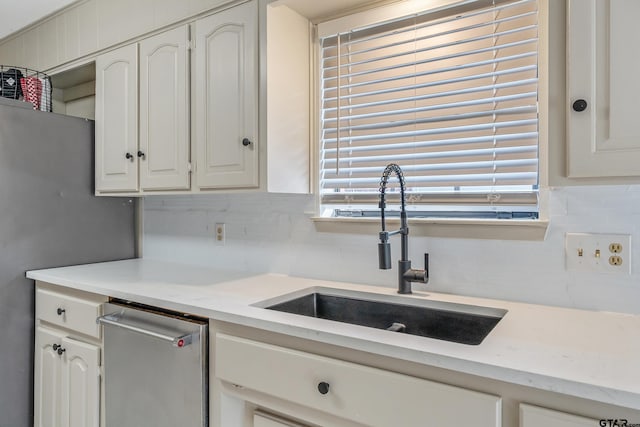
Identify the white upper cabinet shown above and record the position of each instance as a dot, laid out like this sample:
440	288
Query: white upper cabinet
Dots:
603	88
155	155
220	103
117	120
164	111
225	87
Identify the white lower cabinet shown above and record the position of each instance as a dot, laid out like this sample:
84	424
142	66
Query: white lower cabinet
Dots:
80	384
67	381
352	394
47	377
67	366
534	416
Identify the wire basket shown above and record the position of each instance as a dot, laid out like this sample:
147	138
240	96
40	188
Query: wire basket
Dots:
27	85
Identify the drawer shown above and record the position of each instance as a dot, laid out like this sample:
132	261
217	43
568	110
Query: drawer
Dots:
366	395
68	311
533	416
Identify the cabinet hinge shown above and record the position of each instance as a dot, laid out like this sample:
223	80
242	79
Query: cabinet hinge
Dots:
191	45
189	167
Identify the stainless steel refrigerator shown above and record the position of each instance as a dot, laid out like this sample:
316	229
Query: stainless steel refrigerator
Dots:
48	217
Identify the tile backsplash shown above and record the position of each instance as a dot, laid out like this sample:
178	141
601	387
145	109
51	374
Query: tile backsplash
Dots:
274	233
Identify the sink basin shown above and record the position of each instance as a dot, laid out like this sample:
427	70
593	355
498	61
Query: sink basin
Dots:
460	323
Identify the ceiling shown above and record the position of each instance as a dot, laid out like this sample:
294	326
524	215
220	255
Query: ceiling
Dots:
318	10
17	14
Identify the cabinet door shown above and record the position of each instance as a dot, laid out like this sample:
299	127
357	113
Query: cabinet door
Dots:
225	89
164	112
80	385
603	134
532	416
47	376
117	120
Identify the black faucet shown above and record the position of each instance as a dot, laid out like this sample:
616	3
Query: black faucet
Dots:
406	274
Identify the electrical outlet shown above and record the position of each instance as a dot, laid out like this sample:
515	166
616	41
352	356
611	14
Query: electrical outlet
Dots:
615	260
219	232
615	248
601	253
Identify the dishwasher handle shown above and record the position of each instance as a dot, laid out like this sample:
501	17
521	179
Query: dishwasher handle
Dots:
179	341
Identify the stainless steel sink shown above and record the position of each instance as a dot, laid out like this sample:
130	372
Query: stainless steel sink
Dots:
460	323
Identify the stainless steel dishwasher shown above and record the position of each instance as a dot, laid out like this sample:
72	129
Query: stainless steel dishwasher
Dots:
155	367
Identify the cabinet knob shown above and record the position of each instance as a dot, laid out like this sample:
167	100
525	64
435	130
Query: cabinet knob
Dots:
56	347
579	105
140	154
61	350
129	156
60	311
323	387
246	142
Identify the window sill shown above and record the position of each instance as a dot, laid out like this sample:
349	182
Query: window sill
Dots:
499	229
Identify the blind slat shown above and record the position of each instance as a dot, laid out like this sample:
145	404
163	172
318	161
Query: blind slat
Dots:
430	96
466	179
473	102
397	123
442	130
422	21
441	59
414	51
459	91
497	139
496	165
330	162
465	198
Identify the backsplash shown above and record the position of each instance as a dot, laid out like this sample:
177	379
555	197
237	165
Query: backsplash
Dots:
273	233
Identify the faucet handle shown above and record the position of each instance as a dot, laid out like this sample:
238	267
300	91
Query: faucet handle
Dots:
426	267
384	255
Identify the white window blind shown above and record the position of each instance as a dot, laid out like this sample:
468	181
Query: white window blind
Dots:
452	99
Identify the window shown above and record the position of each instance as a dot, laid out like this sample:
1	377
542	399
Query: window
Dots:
449	95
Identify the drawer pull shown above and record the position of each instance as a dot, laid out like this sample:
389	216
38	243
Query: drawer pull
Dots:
60	311
323	387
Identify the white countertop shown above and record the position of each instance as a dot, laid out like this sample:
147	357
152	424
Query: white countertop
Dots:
592	355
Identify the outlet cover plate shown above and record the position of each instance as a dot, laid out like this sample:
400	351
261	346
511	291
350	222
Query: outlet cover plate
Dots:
582	249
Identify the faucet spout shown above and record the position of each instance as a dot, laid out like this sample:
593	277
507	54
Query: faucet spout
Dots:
406	274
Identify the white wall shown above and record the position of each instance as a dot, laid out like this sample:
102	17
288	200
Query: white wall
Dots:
272	233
